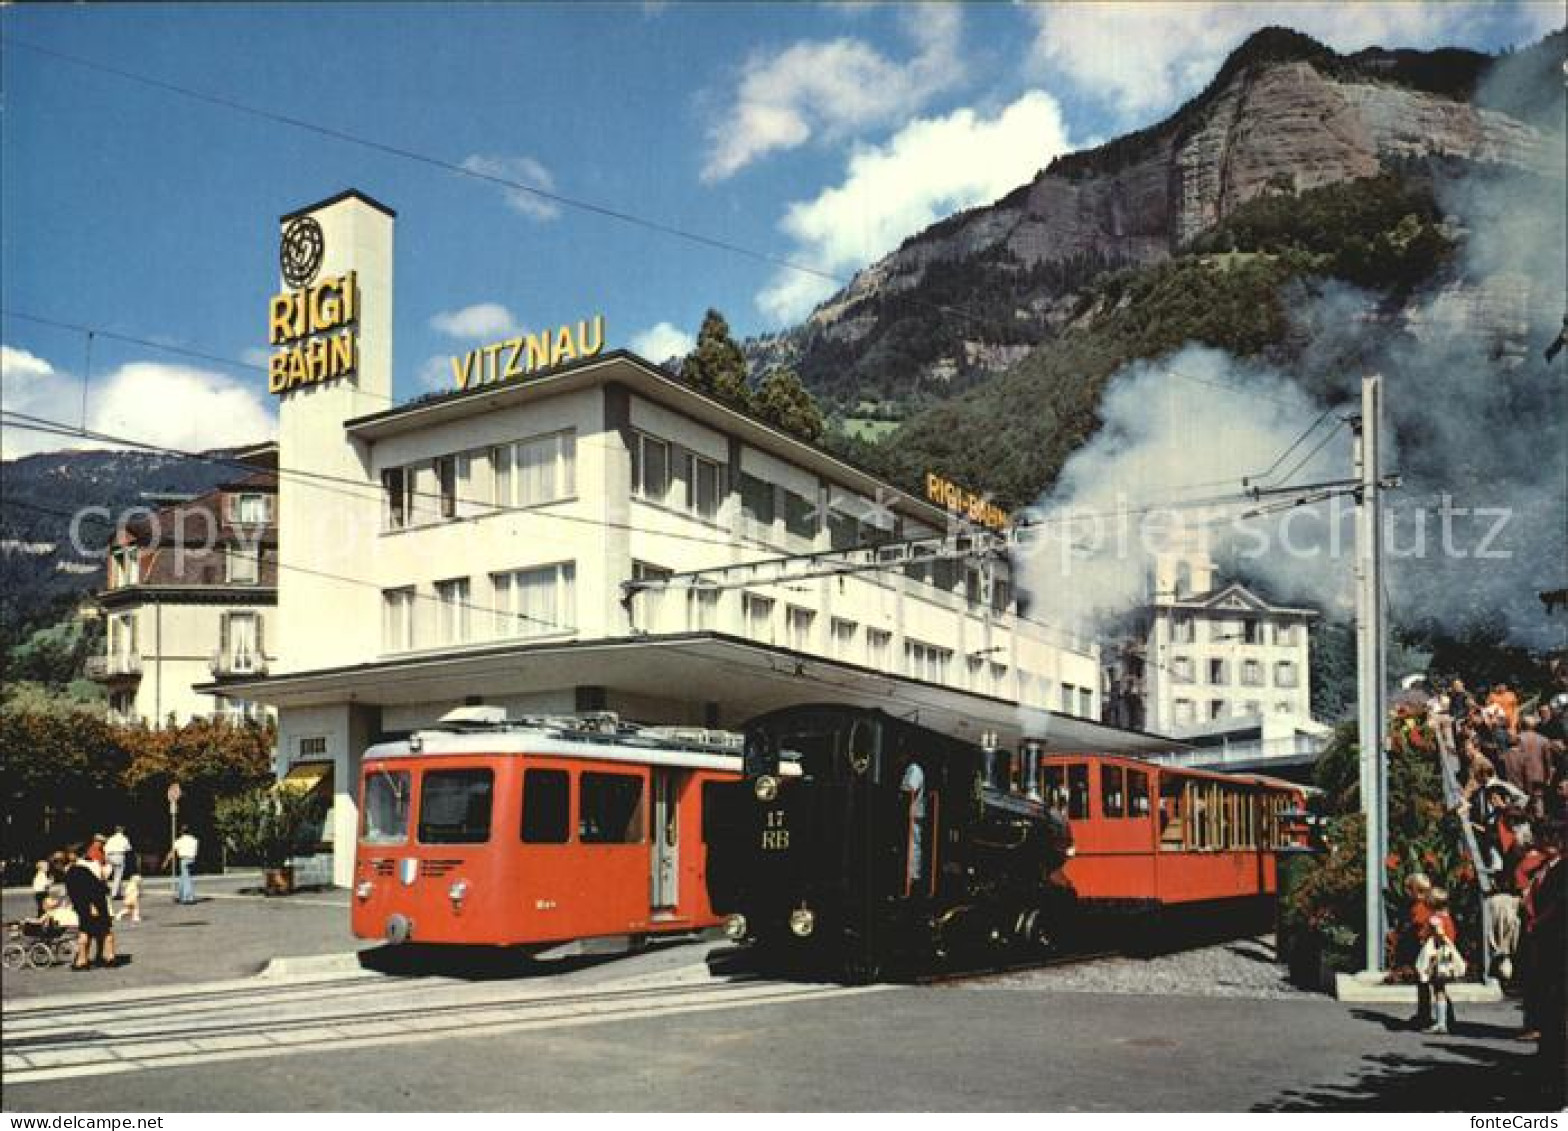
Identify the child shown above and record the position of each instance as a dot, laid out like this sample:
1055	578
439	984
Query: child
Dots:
1418	887
41	881
1439	961
131	896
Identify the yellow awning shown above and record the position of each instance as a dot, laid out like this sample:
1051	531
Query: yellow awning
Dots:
307	777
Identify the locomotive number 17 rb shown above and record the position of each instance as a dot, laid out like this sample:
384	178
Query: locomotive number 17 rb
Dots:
856	841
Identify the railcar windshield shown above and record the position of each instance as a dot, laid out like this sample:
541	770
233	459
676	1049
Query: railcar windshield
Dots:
385	820
454	806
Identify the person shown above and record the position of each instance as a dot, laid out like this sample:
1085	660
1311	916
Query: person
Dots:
89	895
184	851
1528	762
1439	961
1418	886
132	895
1442	724
118	850
914	785
1507	703
1542	948
41	881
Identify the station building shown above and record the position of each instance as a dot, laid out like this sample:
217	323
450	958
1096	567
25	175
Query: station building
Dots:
531	539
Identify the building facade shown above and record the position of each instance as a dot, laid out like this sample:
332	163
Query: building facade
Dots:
590	533
190	595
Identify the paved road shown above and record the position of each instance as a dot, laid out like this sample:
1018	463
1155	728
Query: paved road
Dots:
659	1032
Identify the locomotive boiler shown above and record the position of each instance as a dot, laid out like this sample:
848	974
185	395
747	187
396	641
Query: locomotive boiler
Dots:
864	845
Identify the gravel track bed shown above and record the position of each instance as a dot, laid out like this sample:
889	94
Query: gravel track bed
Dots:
1244	968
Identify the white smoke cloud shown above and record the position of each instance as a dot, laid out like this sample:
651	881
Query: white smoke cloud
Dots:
483	321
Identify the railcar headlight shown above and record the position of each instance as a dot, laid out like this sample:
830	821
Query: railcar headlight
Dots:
363	889
766	787
735	927
802	921
1069	851
457	892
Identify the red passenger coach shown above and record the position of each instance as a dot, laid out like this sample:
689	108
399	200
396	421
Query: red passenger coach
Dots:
1152	837
555	835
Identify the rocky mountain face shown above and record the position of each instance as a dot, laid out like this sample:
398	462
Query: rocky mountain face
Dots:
1284	114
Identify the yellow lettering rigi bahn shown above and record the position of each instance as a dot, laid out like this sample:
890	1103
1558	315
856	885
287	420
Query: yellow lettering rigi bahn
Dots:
317	327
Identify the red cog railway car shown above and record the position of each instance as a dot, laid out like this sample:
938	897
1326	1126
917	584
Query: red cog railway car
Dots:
1161	838
554	835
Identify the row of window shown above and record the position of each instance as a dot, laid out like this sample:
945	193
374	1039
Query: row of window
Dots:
525	473
1184	630
538	601
456	807
1193	815
1251	672
241	566
1186	710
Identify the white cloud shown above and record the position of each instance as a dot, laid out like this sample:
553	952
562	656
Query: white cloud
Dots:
519	170
662	342
172	406
929	169
483	321
435	375
1144	59
832	87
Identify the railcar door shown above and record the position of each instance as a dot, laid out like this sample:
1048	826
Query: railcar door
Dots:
665	833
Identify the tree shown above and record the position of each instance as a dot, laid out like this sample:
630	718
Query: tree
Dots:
271	825
782	400
717	365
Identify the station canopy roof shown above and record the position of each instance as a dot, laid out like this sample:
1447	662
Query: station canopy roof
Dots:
744	678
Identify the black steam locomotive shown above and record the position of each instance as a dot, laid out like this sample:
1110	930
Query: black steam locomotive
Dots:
861	844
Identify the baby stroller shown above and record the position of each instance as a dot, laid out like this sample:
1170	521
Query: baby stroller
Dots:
38	943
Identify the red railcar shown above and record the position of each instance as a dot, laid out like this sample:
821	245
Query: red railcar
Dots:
539	835
1151	837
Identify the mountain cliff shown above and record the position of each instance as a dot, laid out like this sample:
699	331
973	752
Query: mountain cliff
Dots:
972	294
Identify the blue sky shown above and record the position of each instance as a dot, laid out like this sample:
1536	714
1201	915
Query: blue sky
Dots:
819	134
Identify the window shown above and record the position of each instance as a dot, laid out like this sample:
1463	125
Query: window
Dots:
757	613
1001	594
1181	669
650	468
242	567
251	510
453	605
927	661
702	487
798	622
843	530
1069	698
609	809
1216	709
702	609
315	746
385	819
1286	634
1284	674
1085	703
540	470
535	602
1252	707
974	587
1251	632
756	500
1137	793
124	567
397	619
1078	793
1282	708
1251	673
845	634
446	483
1113	803
454	806
1054	783
239	642
1184	712
397	484
800	515
1182	631
1218	673
879	648
546	807
999	679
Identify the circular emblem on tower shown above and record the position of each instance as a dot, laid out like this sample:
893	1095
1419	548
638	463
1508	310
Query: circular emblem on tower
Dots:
300	251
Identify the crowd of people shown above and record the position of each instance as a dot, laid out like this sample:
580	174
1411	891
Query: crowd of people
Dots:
89	888
1510	756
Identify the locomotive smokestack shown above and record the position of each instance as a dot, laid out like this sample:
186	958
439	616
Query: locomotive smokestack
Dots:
760	755
1032	752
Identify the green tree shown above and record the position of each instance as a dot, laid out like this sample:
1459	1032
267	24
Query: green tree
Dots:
717	365
781	399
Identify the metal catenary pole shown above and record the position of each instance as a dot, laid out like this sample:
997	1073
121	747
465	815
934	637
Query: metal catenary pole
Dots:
1371	664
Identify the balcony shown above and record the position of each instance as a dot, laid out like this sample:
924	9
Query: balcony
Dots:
226	664
115	666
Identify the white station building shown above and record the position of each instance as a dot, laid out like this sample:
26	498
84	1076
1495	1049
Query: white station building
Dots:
529	541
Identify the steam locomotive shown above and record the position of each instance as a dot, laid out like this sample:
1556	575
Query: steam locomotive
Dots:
865	844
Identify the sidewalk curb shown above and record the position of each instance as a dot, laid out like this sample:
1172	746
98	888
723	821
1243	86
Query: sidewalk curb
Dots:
1348	987
313	965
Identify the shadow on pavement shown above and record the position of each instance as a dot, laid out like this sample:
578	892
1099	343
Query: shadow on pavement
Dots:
1445	1077
477	963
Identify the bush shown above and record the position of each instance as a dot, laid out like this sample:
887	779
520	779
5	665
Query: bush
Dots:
270	826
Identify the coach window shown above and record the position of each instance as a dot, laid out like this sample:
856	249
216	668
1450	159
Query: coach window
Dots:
1055	787
1077	793
386	808
1137	793
454	806
1112	801
609	809
547	801
1173	825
